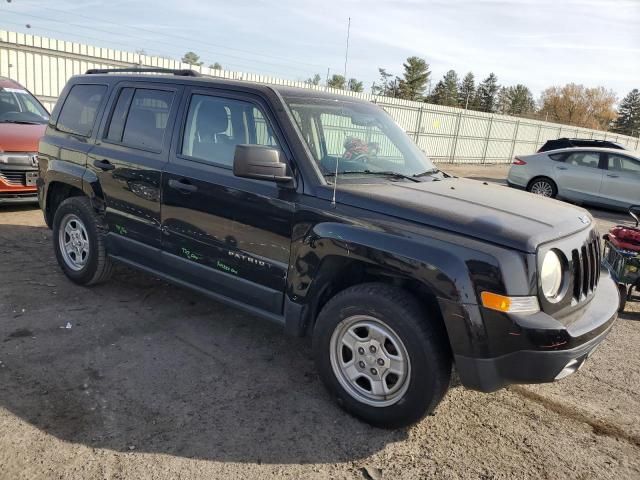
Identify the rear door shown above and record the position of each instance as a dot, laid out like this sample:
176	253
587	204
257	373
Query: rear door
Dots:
128	160
621	182
579	176
228	235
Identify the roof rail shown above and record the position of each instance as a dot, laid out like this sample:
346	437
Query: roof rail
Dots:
182	73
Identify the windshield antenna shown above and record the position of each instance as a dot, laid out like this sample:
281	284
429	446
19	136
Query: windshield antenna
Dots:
346	85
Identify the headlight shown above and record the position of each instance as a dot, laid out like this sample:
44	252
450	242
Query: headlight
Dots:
551	275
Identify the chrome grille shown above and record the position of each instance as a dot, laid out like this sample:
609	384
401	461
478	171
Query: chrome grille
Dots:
586	268
14	177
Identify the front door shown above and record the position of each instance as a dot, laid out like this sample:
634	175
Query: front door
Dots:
579	176
128	160
228	235
621	183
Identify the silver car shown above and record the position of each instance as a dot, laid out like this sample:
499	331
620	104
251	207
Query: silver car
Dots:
596	176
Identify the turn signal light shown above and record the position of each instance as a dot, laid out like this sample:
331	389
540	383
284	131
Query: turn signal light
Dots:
502	303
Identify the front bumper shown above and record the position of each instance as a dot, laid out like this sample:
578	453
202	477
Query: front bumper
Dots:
554	350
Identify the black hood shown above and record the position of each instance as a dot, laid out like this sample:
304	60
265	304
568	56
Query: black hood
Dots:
489	212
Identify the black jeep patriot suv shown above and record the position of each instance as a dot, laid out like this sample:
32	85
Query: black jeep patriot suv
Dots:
317	212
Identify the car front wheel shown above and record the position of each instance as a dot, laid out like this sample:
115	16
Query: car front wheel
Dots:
385	359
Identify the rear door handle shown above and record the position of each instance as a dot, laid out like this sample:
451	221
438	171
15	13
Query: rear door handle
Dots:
104	165
182	186
612	175
562	168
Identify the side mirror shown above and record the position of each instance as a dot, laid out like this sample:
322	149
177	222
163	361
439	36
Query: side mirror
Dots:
260	163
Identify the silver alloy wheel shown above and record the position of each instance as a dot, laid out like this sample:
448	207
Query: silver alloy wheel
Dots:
542	187
73	242
370	361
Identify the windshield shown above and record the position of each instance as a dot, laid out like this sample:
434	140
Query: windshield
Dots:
19	106
360	137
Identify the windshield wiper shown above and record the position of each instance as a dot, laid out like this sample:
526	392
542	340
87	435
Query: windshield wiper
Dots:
387	173
428	172
22	122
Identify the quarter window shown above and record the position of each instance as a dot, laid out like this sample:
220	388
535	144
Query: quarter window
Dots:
621	163
80	108
215	125
583	159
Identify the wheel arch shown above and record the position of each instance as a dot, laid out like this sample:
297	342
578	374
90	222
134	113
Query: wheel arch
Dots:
333	257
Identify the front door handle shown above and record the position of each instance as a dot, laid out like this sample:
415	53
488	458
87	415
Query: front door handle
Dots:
182	186
562	168
104	165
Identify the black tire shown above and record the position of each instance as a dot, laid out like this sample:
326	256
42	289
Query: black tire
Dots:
551	185
624	295
424	339
98	266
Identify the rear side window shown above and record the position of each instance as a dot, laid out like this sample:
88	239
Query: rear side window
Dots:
80	108
558	157
583	159
140	118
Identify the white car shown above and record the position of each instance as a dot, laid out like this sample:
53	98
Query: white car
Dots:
596	176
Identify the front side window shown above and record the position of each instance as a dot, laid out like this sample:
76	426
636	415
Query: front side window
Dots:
622	163
80	108
356	138
18	106
215	125
583	159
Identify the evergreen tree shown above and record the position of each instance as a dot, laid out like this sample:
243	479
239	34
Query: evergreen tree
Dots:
628	120
315	80
337	81
502	101
385	86
520	100
487	93
466	91
191	58
446	90
355	85
216	66
415	78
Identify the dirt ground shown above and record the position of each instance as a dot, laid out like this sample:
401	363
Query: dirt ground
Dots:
136	379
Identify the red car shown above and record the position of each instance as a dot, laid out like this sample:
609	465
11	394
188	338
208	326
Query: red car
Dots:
22	123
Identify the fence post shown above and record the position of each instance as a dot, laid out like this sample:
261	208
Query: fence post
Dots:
486	142
637	142
418	126
455	138
515	139
538	135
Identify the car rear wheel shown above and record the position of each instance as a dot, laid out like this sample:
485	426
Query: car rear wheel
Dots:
543	186
78	242
383	357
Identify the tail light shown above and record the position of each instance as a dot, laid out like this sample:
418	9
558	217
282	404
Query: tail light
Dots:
518	161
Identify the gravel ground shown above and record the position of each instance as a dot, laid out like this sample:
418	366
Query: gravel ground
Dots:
139	379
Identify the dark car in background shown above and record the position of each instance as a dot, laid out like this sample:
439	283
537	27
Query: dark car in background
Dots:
22	123
559	143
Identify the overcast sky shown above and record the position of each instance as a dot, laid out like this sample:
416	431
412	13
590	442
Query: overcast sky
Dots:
535	42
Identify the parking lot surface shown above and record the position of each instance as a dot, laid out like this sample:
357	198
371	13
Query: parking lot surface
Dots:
140	379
